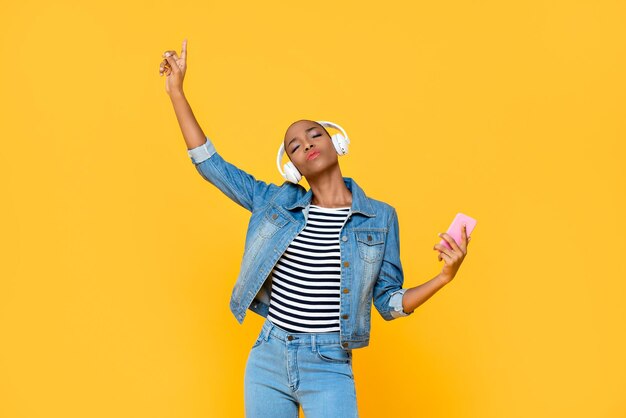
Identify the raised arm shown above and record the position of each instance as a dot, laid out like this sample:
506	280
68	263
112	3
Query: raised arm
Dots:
240	186
175	69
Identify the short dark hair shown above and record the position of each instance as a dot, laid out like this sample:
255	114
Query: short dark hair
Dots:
309	120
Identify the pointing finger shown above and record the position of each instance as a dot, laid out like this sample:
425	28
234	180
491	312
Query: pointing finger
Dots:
183	52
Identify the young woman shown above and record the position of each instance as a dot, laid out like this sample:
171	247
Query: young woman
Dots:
314	261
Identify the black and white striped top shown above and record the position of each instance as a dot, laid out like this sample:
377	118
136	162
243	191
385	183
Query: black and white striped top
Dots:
306	278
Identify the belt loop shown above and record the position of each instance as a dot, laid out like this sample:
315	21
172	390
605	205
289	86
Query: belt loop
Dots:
266	332
313	342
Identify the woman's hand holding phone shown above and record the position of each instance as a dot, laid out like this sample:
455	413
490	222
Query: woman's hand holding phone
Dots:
453	250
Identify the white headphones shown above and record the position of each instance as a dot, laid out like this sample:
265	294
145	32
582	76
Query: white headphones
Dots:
339	141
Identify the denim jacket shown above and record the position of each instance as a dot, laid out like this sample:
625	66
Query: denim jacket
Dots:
369	245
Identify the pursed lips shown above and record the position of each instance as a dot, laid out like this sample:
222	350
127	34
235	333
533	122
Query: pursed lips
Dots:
313	154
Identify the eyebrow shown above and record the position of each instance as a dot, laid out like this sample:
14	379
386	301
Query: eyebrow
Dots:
306	130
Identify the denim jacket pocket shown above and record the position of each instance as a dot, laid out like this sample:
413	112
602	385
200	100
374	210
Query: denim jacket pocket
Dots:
273	220
371	245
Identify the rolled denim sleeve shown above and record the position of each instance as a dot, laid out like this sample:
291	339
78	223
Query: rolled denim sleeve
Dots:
241	187
388	291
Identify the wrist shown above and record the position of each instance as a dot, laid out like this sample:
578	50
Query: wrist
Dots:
176	93
444	279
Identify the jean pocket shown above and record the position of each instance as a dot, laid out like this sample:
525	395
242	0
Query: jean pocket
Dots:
333	354
258	341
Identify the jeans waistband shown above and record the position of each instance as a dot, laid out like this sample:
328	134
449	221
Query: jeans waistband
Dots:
299	338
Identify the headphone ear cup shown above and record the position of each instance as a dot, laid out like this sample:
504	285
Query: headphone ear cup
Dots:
341	143
291	172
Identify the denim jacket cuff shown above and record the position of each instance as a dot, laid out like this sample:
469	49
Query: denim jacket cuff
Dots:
395	302
201	152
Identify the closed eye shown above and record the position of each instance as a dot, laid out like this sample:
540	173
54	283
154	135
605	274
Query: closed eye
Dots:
298	146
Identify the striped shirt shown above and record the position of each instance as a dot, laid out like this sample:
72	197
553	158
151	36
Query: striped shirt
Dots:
306	278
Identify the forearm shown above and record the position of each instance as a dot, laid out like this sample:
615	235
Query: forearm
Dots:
415	296
193	134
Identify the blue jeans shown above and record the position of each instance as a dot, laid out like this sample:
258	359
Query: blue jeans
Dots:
286	369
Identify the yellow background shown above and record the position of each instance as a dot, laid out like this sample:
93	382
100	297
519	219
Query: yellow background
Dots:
118	259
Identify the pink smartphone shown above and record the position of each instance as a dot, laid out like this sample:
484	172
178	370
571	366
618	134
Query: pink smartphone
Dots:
454	230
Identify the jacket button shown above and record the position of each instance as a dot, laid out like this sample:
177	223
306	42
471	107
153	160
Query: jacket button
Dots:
369	237
344	238
344	316
274	216
346	290
345	344
346	264
290	337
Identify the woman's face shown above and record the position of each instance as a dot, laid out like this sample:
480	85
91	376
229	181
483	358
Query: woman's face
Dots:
304	139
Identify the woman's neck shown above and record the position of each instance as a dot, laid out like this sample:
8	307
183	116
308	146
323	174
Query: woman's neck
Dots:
330	192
